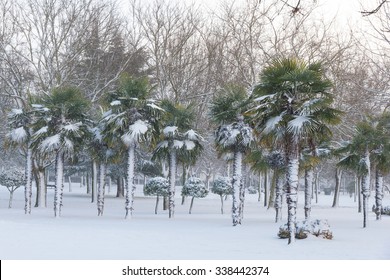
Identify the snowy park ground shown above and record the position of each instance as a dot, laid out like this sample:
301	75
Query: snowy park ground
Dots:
205	234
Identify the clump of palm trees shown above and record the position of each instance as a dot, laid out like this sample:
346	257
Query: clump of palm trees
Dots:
283	124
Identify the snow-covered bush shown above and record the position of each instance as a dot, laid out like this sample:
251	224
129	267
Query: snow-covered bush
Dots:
194	187
386	210
158	186
252	189
319	228
12	179
223	187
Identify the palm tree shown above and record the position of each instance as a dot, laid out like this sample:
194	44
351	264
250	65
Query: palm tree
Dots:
292	104
233	135
369	146
61	131
133	119
178	140
20	133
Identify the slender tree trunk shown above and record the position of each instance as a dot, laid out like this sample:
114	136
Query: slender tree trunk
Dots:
130	186
156	208
172	181
292	191
94	180
101	188
308	191
317	177
265	188
242	192
119	185
183	197
378	194
221	204
28	186
42	188
260	187
359	193
271	201
236	183
366	187
88	184
59	184
336	196
192	203
11	197
70	183
278	195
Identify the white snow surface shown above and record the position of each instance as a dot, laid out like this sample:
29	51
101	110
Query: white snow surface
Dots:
18	135
205	234
170	130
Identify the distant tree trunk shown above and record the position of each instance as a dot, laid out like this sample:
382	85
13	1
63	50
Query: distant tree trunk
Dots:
94	180
378	194
221	196
278	195
359	193
184	178
271	201
59	187
130	186
316	182
165	202
172	181
308	191
265	188
101	188
366	187
260	188
28	186
119	189
236	183
70	183
242	192
292	190
88	183
337	188
156	208
192	203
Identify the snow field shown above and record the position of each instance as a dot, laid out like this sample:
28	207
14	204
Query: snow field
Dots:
205	234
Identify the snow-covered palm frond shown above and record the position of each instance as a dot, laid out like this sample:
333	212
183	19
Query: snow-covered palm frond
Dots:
193	135
15	113
73	127
115	103
190	145
170	131
50	144
41	131
178	144
154	106
271	123
18	135
136	130
301	125
68	145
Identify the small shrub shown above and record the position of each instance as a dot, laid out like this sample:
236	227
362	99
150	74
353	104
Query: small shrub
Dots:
318	228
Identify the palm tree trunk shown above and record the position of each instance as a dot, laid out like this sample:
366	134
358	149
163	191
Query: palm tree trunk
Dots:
172	181
221	204
101	189
94	180
308	191
192	203
378	194
28	186
130	187
278	195
292	191
156	208
337	188
59	184
366	187
236	183
271	201
265	188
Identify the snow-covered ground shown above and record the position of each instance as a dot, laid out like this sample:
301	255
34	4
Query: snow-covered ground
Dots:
205	234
